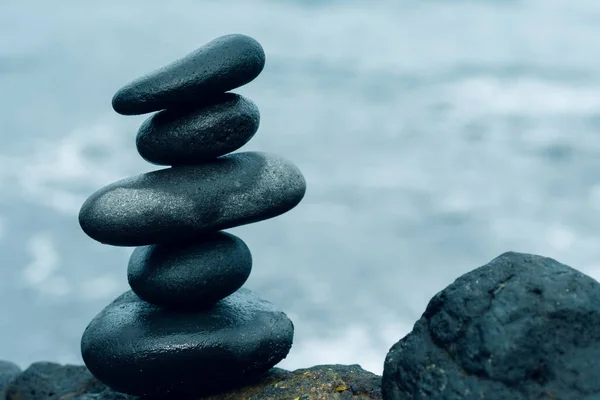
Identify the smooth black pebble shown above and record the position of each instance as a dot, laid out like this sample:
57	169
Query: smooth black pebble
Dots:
190	275
223	64
192	136
181	203
139	348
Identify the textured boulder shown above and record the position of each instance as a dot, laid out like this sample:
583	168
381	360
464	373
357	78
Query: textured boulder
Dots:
139	348
521	327
180	203
321	382
190	275
8	371
192	136
223	64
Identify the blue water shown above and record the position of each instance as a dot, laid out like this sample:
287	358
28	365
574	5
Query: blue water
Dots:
434	135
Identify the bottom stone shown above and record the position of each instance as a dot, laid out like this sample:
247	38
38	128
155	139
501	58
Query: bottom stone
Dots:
142	349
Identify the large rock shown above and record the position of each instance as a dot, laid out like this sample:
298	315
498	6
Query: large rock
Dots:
521	327
181	203
139	348
8	371
192	136
190	275
223	64
323	382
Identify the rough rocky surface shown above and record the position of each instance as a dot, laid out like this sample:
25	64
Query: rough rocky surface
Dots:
221	65
192	136
190	275
521	327
138	348
180	203
321	382
8	371
45	381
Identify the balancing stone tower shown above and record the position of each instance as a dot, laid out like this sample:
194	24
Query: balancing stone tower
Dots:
187	326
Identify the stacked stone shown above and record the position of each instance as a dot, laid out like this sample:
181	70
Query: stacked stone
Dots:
186	325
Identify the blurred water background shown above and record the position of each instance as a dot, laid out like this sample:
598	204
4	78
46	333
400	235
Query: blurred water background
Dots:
434	135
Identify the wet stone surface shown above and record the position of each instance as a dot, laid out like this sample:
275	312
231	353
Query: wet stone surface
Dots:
195	135
190	275
179	203
221	65
139	348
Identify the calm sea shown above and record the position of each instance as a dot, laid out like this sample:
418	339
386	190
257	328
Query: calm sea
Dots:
434	135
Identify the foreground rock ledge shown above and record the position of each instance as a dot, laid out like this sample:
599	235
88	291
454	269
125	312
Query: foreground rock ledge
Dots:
44	380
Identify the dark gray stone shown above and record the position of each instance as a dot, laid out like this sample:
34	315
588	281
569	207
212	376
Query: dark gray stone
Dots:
521	327
45	380
221	65
190	275
139	348
8	371
192	136
180	203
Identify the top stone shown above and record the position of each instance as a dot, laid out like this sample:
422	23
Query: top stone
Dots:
223	64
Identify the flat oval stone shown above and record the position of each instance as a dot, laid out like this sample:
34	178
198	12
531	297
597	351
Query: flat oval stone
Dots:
190	275
180	203
223	64
139	348
192	136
